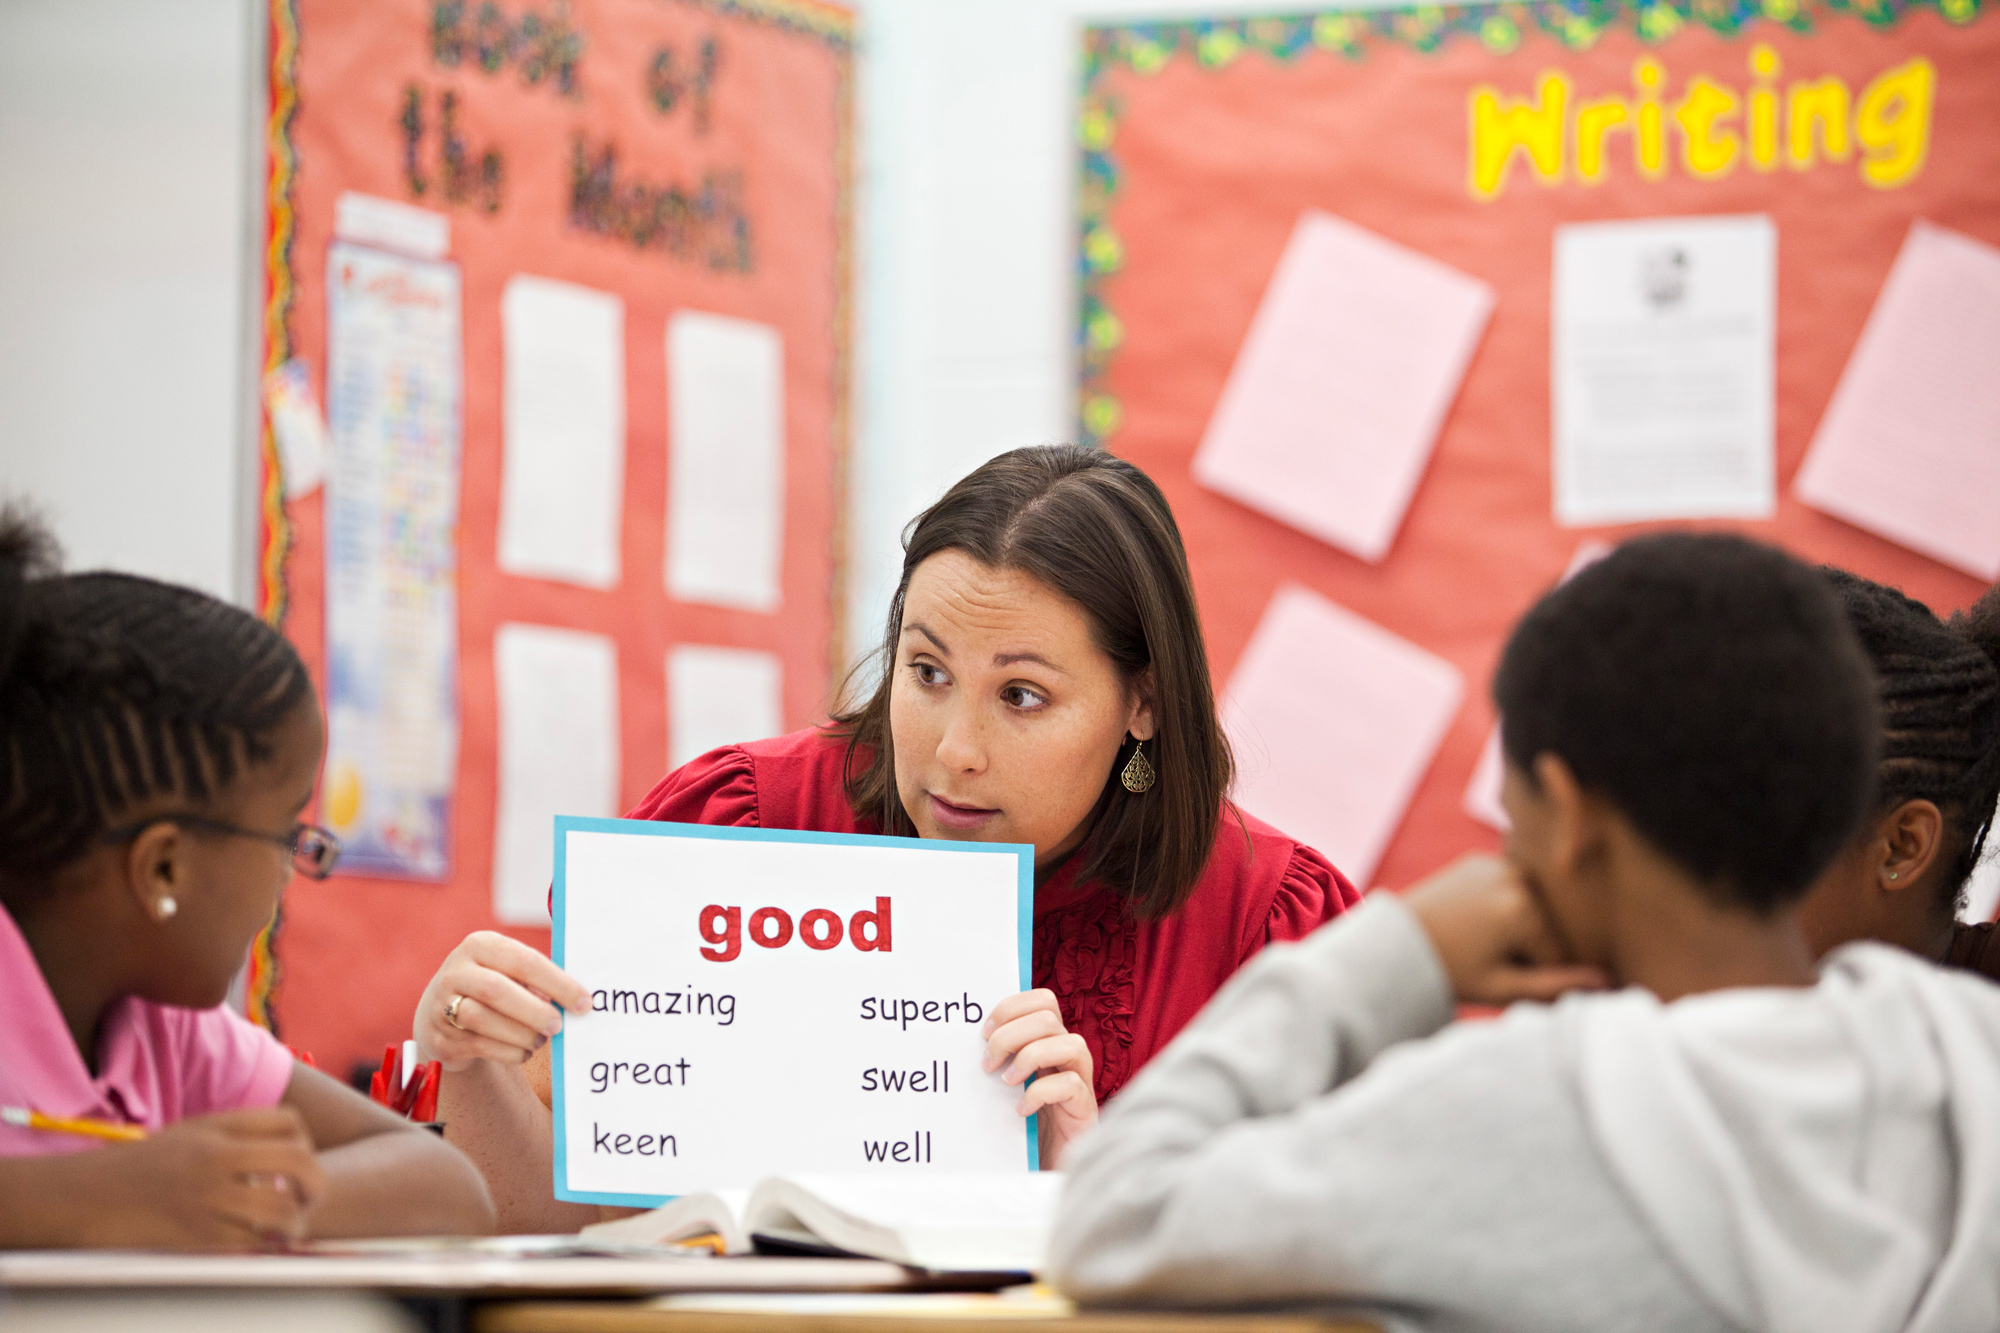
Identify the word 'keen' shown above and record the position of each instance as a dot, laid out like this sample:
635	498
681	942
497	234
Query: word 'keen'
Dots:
1821	120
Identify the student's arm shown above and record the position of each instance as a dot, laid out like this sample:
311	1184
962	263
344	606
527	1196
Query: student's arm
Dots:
201	1184
383	1175
1231	1170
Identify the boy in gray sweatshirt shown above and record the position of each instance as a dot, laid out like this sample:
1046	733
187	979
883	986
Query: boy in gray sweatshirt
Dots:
1701	1133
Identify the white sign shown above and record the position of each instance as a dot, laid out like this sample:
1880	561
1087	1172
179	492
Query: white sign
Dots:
769	1001
1663	350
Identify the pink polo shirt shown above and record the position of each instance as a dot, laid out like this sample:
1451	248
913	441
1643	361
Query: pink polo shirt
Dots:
158	1064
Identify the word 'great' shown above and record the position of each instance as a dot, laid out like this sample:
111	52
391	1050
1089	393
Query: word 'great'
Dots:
1821	120
771	928
606	1074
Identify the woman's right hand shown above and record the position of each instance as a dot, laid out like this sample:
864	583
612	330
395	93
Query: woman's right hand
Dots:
507	995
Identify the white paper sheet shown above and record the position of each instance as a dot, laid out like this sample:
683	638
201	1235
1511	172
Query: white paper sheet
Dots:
389	224
1334	721
1348	370
739	982
726	482
1909	447
393	396
1662	354
720	696
558	697
1482	793
562	482
298	427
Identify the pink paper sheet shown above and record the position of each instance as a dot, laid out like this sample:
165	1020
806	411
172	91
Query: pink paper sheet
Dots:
1334	721
1909	448
1350	365
1482	794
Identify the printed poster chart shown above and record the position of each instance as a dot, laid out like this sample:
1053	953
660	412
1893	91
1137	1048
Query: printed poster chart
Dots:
392	483
770	1001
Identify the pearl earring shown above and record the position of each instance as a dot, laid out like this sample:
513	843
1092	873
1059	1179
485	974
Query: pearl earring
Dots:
166	908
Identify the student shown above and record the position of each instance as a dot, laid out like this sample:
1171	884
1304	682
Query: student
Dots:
1902	878
1725	1141
157	748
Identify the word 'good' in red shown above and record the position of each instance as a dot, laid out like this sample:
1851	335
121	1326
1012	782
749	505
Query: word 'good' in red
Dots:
771	928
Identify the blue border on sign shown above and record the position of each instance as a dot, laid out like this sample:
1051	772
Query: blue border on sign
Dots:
1024	855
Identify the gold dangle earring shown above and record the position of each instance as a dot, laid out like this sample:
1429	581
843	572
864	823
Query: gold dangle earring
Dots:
1138	774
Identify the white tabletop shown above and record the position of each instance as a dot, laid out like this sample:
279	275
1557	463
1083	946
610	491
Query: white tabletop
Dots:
438	1270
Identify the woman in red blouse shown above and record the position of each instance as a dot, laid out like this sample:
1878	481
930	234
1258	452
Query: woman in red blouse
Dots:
1045	682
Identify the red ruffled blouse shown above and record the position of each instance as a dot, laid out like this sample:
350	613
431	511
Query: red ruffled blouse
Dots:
1126	986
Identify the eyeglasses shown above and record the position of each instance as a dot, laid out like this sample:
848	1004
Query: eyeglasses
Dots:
315	851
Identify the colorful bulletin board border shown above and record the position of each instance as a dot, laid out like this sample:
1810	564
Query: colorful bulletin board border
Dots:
274	538
1147	48
297	167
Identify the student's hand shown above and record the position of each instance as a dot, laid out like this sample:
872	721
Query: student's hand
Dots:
241	1180
1492	937
1025	1037
506	994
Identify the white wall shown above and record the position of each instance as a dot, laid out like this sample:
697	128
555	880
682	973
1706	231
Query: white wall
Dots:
122	210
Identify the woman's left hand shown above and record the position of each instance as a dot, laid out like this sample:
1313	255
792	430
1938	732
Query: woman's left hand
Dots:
1027	1029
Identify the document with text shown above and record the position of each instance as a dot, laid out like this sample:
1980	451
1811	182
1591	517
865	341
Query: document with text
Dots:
769	1001
1663	352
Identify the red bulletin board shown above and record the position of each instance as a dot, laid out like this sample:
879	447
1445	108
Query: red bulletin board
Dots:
736	108
1203	141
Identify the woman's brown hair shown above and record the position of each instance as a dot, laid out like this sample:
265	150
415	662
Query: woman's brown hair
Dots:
1096	530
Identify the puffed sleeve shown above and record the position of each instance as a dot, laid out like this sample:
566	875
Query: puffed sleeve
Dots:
720	787
1310	894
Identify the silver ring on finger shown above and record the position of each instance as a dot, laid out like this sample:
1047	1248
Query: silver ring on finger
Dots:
451	1012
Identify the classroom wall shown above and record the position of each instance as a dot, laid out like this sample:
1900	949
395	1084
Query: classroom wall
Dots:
123	208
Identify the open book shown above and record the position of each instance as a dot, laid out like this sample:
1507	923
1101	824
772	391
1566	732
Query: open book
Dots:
987	1223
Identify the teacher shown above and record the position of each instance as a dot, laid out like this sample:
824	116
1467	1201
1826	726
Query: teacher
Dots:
1043	681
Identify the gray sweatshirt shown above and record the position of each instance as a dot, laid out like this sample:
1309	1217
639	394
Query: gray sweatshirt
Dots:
1809	1160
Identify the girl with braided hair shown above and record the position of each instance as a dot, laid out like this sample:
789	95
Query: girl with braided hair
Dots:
1902	879
157	749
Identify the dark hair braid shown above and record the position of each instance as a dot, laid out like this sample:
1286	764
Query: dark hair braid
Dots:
117	690
1940	692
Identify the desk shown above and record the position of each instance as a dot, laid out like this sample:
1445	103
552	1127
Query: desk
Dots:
490	1294
640	1317
443	1274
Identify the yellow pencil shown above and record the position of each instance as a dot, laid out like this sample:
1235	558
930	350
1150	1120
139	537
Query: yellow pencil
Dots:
92	1129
